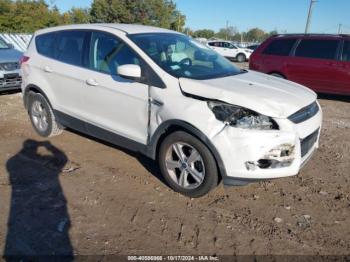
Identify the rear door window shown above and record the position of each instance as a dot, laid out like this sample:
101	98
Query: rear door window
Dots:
321	49
45	44
280	47
346	52
227	45
69	47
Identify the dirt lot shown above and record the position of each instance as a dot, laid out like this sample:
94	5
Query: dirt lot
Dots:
72	194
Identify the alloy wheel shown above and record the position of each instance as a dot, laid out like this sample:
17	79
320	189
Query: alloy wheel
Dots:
185	165
40	116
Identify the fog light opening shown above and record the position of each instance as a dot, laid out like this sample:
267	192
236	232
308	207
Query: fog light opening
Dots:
264	163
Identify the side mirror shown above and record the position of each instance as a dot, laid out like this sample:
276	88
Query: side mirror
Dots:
11	46
129	71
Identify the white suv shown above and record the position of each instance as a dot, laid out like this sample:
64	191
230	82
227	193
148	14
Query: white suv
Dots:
163	94
231	51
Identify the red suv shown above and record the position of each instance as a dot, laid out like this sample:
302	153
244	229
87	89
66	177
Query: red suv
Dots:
320	62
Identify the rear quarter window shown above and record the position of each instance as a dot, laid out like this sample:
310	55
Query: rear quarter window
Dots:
280	47
216	44
314	48
45	44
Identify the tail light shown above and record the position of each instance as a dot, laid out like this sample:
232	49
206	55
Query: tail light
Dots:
23	60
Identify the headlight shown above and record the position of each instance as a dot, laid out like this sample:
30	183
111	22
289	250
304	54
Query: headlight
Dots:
241	117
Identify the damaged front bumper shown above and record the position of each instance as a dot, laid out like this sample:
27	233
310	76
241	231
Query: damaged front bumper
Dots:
253	155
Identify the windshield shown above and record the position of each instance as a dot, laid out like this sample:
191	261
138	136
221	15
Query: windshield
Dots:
182	56
3	44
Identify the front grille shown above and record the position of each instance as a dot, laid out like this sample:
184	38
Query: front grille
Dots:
10	82
308	142
10	66
305	113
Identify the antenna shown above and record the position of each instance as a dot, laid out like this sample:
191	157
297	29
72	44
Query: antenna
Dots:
308	22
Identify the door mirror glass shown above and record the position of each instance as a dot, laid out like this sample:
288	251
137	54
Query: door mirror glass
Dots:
129	71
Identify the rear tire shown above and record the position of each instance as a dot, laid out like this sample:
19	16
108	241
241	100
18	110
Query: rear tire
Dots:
42	117
241	58
187	165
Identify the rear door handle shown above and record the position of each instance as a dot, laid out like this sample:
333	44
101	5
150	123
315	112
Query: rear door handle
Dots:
48	69
91	82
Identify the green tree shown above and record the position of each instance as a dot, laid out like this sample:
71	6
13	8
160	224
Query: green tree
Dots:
6	9
76	16
162	13
227	33
26	16
205	33
256	35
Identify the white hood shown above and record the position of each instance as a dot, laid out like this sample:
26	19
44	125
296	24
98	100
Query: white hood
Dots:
261	93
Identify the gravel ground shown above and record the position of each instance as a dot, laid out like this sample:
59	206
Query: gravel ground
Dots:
74	195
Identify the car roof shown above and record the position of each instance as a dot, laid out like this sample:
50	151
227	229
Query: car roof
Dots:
313	35
213	41
126	28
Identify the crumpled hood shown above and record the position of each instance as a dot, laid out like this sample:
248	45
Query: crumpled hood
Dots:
9	55
261	93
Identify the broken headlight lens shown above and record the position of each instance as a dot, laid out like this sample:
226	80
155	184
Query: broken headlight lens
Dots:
241	117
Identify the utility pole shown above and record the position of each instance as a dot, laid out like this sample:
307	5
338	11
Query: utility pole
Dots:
308	22
226	29
339	28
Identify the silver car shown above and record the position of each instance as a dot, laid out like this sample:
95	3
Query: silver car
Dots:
10	76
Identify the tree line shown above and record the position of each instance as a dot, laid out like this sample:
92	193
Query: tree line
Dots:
232	33
27	16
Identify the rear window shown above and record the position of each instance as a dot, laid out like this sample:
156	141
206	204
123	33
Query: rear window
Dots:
45	44
280	47
346	52
321	49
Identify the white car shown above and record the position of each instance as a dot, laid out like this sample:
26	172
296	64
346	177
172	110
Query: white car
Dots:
231	51
162	94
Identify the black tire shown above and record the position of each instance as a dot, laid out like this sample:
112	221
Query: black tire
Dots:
53	128
278	75
210	179
241	58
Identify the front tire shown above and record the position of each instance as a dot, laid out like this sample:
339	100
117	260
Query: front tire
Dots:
42	116
187	165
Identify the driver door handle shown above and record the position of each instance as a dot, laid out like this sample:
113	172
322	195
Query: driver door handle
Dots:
91	82
47	69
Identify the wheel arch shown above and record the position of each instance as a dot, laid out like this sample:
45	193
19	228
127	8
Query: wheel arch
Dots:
35	89
171	126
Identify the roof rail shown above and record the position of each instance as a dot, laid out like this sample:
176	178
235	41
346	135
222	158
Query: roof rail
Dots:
310	34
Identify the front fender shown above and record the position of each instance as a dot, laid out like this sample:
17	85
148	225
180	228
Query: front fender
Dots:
176	124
